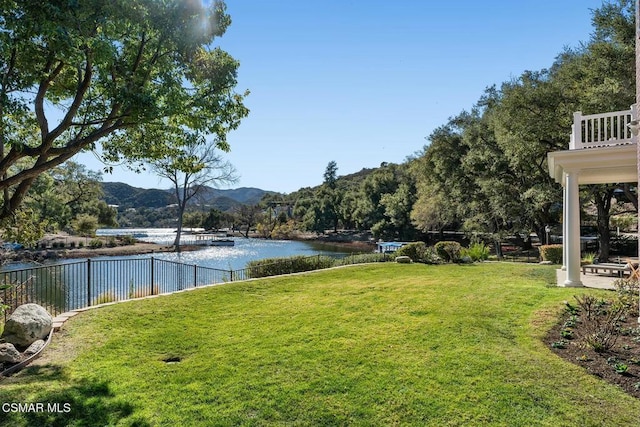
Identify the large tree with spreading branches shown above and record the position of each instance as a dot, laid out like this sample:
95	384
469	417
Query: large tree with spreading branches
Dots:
118	75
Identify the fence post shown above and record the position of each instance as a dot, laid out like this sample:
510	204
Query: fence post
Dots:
89	282
231	275
195	276
152	274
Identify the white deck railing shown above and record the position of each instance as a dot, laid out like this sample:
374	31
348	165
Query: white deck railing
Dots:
600	130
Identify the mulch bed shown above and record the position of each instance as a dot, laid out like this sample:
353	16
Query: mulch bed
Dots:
624	352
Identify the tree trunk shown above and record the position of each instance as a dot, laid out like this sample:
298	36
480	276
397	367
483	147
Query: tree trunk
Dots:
602	200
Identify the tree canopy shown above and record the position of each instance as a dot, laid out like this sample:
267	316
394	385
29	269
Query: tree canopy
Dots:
119	73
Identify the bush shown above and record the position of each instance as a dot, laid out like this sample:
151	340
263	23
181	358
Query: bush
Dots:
627	295
95	243
448	251
277	266
414	250
127	240
112	242
552	253
477	252
419	252
363	259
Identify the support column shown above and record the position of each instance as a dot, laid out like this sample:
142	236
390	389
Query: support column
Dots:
565	221
572	239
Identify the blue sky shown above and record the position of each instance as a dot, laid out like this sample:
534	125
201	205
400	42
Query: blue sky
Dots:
364	82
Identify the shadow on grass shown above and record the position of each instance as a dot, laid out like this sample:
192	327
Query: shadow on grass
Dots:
78	403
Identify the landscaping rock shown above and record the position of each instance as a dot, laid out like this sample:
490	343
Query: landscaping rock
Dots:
403	260
28	323
35	347
8	353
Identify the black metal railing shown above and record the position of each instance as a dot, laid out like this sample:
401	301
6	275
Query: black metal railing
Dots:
70	286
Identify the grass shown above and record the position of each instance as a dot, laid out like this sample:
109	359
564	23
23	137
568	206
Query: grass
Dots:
383	344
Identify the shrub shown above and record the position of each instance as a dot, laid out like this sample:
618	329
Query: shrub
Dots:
448	251
276	266
552	253
627	295
477	252
363	259
588	258
414	250
111	242
95	243
127	240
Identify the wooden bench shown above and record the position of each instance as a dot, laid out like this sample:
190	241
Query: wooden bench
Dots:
611	268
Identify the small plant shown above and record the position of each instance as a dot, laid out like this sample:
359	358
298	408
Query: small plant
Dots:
588	258
111	242
621	368
559	344
478	252
95	244
571	309
567	333
72	245
80	245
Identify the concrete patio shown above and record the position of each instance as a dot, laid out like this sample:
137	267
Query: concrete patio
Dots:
589	280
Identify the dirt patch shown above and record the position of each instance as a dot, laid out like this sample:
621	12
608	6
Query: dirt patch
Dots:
619	365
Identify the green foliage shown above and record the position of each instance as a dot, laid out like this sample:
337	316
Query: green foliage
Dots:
278	266
137	72
419	252
96	243
448	251
23	227
552	253
363	259
476	251
589	258
86	225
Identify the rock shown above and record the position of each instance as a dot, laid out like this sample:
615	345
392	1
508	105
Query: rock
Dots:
8	353
403	260
35	347
28	323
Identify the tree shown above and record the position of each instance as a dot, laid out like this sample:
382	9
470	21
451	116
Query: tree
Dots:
249	216
117	73
196	166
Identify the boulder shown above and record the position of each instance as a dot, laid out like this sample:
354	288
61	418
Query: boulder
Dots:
28	323
35	347
8	353
403	260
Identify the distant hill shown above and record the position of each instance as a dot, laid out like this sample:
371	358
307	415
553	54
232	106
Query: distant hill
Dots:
127	196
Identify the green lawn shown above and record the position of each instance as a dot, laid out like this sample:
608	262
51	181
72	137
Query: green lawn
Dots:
383	344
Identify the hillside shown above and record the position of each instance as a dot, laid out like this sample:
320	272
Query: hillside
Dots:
126	196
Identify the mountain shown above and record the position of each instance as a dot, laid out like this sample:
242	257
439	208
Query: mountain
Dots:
127	196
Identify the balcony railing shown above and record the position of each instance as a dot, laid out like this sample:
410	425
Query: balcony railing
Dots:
602	130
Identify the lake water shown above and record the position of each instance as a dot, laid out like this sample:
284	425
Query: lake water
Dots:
226	257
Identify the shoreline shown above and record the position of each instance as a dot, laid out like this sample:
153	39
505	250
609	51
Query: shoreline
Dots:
63	246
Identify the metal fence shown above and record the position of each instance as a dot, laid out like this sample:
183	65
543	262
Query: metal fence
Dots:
64	287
